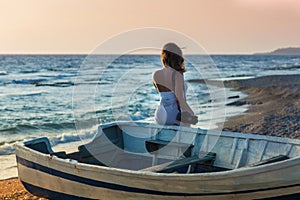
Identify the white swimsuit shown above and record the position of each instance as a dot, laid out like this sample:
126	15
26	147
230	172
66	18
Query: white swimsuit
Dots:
168	109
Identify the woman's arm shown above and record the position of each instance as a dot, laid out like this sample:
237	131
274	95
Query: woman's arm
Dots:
179	93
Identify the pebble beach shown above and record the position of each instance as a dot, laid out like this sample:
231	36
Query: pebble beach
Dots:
274	106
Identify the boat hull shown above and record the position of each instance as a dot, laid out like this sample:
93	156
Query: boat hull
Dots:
52	177
77	182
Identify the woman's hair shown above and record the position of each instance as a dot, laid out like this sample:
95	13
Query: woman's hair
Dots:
171	56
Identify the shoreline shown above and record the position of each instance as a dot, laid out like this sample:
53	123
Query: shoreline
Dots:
274	106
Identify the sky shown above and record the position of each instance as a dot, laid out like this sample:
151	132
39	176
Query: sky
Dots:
79	26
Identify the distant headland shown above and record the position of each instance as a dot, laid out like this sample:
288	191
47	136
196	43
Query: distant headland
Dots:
283	51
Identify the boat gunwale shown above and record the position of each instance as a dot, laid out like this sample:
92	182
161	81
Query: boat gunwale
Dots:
70	163
206	132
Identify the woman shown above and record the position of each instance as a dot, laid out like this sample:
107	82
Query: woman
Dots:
169	82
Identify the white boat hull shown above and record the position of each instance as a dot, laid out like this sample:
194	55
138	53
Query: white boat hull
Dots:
56	178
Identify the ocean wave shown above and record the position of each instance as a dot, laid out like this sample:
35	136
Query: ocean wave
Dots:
292	67
231	77
22	128
56	84
7	148
28	81
28	71
35	93
58	126
17	129
73	136
43	82
55	76
2	73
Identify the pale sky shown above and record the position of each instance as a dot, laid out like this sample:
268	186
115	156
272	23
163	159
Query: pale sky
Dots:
78	26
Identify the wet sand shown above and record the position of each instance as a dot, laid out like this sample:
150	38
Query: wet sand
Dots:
274	109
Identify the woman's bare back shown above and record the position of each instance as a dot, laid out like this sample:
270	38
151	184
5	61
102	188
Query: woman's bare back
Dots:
163	81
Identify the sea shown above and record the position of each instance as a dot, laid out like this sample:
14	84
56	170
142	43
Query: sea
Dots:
47	95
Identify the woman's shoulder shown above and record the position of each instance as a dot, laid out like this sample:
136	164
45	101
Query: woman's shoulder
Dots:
157	72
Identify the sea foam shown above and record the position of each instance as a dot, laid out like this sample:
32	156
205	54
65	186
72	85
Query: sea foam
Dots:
7	148
2	73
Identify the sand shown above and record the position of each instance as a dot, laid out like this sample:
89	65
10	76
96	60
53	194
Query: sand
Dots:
13	189
274	106
274	110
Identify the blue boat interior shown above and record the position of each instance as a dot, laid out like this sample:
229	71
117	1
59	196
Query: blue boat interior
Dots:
118	148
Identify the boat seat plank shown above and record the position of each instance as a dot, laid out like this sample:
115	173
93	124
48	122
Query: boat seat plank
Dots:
184	162
269	160
154	145
204	168
60	154
157	168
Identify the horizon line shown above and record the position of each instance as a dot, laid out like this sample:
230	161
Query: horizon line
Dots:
68	53
149	53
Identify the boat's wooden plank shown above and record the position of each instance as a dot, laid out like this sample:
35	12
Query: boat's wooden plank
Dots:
74	155
262	153
269	160
154	145
60	154
197	144
163	142
156	168
243	158
204	168
171	166
233	150
83	151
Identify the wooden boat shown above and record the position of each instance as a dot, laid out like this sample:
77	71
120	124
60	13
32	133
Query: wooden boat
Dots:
127	160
